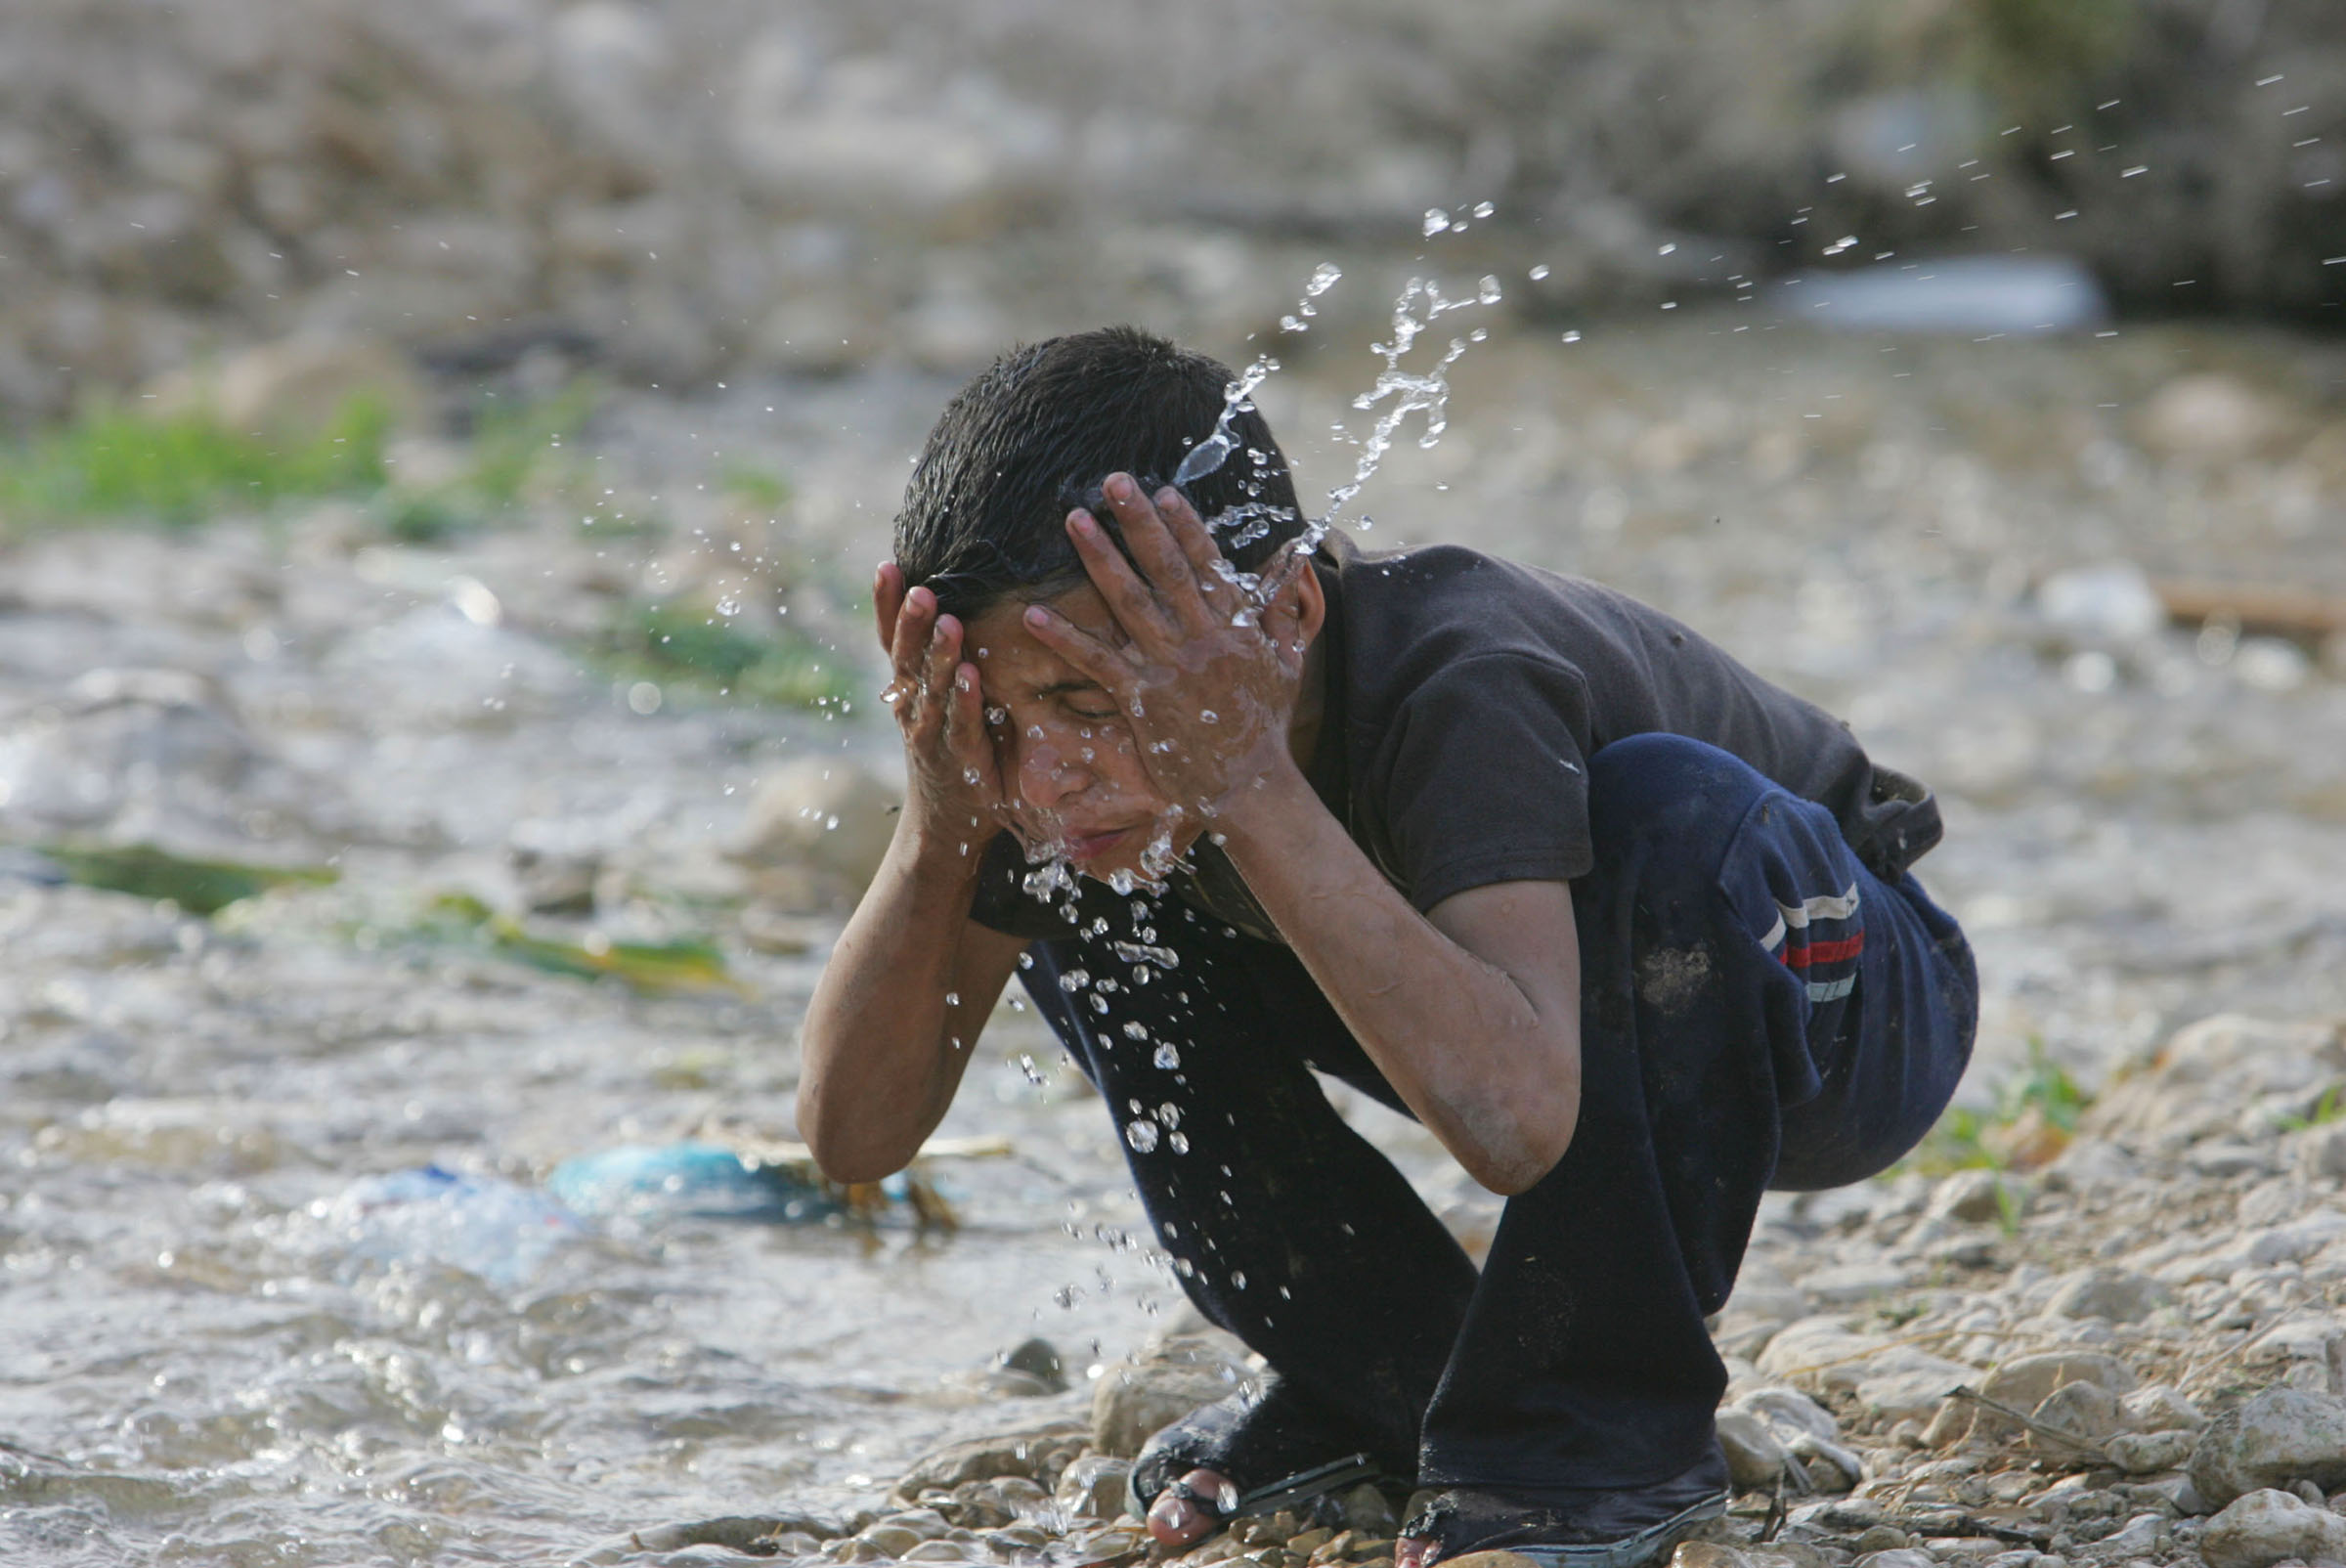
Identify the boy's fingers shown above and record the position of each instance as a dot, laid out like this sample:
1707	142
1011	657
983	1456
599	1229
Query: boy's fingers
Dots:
1152	541
911	642
887	598
965	732
943	657
1189	533
1135	605
1089	654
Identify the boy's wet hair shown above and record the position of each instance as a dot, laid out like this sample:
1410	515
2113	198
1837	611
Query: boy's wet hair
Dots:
1034	437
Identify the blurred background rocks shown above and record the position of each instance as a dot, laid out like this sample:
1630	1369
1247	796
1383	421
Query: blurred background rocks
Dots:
676	192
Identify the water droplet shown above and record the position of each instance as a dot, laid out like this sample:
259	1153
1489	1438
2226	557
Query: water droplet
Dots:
1136	1031
1436	220
1180	1143
1539	272
1484	209
1168	1056
952	998
1237	1279
1141	1133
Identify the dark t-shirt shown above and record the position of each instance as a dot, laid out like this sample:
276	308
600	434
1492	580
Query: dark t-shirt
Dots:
1465	695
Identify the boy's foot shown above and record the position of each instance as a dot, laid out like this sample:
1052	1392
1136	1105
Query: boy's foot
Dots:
1240	1456
1613	1528
1193	1508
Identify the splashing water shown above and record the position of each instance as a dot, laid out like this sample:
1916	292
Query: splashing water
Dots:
1427	391
1209	455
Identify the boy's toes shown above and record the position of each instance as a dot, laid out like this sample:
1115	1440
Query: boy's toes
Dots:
1176	1520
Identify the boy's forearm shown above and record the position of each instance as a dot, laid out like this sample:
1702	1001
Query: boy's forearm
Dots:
878	1064
1483	1066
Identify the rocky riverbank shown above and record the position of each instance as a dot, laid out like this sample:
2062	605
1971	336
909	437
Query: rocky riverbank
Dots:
2135	1354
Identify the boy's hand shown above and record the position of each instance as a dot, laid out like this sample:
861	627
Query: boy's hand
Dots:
956	784
1210	671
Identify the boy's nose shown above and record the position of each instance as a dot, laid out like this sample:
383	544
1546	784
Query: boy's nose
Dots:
1048	775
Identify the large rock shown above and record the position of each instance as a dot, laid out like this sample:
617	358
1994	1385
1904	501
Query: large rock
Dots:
832	817
1135	1399
297	386
1037	1455
2268	1526
2279	1437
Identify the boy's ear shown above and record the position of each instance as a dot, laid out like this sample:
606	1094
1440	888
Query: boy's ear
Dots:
1298	607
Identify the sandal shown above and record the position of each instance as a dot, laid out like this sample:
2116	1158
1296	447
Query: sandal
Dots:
1245	1435
1597	1528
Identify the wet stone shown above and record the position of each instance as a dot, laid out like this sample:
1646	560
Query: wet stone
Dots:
1093	1487
1366	1511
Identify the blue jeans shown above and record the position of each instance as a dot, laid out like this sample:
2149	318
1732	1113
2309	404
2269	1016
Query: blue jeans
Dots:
1757	1010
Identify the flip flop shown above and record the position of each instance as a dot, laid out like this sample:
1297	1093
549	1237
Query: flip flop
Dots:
1245	1435
1597	1528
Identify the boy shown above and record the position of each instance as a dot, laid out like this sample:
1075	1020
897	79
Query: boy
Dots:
1626	928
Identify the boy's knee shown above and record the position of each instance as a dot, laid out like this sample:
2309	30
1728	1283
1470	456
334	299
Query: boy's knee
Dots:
1667	790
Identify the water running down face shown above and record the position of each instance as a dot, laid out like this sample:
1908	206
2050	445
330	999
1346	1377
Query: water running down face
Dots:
1076	785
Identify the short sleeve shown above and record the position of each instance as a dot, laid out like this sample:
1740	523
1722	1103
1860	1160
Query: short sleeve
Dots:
1002	902
1483	778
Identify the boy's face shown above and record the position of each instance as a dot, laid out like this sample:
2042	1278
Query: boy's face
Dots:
1070	766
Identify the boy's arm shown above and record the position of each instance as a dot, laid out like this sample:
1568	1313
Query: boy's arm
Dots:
894	1018
898	1007
1472	1012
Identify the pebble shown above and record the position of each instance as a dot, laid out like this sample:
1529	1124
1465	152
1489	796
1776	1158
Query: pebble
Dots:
2279	1436
2268	1526
1754	1457
1095	1487
1898	1558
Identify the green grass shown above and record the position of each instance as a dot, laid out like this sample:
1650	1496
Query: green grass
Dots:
511	438
2044	1093
114	461
675	643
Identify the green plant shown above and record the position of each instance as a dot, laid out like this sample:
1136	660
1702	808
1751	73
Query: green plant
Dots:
685	964
676	642
200	887
2036	1111
510	437
111	461
756	488
2331	1107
